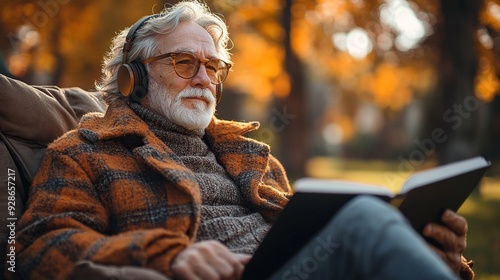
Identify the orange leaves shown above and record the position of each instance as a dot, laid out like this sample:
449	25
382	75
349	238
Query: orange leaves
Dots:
73	35
486	83
258	63
393	87
491	14
301	39
281	85
389	87
77	33
257	34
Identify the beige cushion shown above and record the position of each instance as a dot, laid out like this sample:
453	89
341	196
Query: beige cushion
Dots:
40	114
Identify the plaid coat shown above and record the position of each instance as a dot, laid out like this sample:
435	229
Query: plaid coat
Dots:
112	192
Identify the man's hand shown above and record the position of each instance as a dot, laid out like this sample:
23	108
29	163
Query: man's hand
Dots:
208	260
452	236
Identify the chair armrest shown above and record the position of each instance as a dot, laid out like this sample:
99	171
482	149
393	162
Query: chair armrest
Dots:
88	270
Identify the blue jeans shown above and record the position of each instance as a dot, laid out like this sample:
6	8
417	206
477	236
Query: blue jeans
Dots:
367	239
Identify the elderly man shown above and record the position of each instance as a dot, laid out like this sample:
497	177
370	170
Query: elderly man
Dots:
159	183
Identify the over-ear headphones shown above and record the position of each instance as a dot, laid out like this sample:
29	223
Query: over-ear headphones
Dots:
132	76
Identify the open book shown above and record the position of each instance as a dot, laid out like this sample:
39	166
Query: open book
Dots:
422	199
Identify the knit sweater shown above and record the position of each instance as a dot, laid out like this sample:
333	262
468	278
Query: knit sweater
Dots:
225	215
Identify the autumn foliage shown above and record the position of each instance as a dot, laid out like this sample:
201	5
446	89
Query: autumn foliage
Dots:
353	52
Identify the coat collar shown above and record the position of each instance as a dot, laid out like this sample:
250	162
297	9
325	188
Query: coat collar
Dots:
120	121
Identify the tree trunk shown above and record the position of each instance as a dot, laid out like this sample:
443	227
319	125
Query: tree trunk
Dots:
456	111
288	120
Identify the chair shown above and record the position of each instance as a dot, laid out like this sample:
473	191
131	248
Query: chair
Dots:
31	117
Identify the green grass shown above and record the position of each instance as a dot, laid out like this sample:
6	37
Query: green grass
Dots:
483	216
482	209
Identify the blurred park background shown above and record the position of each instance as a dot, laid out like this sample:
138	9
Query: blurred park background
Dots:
365	90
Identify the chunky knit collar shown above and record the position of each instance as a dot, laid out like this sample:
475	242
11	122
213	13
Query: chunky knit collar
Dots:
119	120
160	123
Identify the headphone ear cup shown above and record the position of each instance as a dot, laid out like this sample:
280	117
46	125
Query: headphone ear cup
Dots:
133	80
141	81
125	79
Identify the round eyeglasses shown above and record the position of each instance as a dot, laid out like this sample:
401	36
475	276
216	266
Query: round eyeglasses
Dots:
186	65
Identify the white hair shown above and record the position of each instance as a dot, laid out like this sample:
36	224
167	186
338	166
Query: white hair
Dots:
145	40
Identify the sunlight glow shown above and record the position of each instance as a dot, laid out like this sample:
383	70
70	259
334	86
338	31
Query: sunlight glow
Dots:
398	15
340	41
332	134
494	10
368	119
485	38
358	43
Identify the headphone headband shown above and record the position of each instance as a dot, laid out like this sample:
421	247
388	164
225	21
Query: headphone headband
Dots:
131	36
132	77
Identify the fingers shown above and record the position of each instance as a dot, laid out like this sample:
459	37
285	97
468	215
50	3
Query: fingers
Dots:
208	260
225	263
244	258
451	236
455	222
446	238
453	260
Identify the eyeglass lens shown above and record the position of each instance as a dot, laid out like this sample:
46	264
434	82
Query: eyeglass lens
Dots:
187	65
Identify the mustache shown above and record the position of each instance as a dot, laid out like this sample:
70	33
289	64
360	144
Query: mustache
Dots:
197	92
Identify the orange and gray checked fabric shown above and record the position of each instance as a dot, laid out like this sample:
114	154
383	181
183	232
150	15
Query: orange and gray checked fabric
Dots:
112	192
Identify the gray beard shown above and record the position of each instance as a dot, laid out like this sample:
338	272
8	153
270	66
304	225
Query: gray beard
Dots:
161	102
